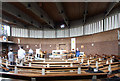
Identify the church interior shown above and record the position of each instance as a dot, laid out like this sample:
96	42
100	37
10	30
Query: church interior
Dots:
60	41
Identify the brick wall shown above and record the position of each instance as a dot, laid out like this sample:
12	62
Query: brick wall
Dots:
104	43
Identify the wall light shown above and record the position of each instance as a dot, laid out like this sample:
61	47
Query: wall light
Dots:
50	45
82	46
27	46
18	41
92	44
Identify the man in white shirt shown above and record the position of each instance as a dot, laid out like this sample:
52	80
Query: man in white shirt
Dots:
21	54
11	57
30	52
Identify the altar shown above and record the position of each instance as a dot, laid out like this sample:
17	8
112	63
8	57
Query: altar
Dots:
62	56
58	51
58	54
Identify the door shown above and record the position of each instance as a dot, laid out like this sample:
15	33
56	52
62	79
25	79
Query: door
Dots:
62	46
118	49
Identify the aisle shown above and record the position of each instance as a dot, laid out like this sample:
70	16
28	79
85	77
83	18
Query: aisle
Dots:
9	79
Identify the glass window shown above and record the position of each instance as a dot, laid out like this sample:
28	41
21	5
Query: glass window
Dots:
113	22
5	30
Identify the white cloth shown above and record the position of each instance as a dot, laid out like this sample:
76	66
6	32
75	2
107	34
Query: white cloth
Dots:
30	51
21	54
10	57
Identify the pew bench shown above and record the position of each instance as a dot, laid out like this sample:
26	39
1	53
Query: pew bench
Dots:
49	70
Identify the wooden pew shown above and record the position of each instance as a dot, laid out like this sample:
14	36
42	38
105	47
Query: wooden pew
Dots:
51	64
50	70
37	77
38	69
45	72
113	66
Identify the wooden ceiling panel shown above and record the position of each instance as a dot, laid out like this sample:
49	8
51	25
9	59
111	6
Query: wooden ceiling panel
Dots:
74	10
117	5
95	8
15	18
21	7
51	9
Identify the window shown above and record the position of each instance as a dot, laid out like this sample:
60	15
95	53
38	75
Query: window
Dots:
5	29
19	32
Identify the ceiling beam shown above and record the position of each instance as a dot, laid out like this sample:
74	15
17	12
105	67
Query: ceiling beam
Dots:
62	12
35	8
109	9
7	19
19	14
85	12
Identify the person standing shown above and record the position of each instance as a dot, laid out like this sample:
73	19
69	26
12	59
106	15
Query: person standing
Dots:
41	53
11	57
21	54
77	53
30	52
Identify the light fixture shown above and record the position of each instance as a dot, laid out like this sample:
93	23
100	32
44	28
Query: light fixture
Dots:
29	5
27	46
92	44
82	46
50	45
62	26
25	26
18	41
41	16
19	15
49	22
31	22
61	11
14	21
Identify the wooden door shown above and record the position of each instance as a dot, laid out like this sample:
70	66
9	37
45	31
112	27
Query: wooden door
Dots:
62	46
118	49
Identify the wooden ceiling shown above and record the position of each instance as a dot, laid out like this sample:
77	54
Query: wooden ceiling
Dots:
21	7
73	10
52	11
15	19
97	8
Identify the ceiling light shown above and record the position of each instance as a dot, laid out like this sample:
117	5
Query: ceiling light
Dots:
19	15
61	11
41	16
29	5
49	22
62	26
14	21
25	26
31	22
